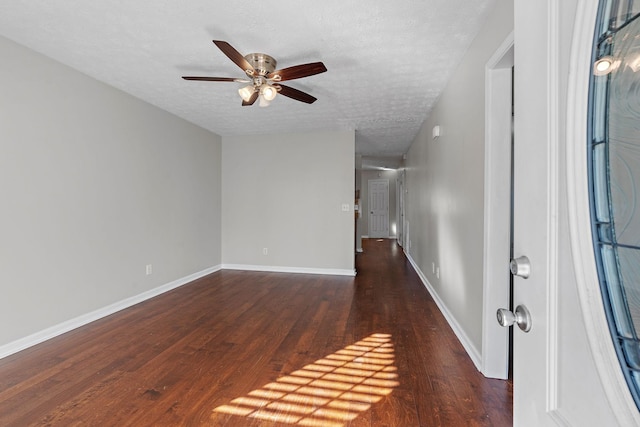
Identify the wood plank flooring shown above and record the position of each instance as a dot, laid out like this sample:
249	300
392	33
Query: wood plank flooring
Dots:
262	349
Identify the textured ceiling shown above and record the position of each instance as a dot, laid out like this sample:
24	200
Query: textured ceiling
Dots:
387	61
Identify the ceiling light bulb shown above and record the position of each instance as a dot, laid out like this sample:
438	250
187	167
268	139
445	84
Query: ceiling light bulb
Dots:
246	92
269	92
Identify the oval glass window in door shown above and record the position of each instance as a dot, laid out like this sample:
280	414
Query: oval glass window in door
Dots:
614	164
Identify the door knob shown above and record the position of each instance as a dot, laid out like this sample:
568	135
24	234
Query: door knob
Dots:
521	317
520	267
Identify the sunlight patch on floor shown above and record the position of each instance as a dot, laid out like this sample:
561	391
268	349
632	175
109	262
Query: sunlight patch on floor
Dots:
328	392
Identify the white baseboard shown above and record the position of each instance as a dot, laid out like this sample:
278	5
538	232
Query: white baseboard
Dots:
471	350
275	269
61	328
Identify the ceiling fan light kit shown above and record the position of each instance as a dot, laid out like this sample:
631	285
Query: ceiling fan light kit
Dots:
264	80
246	92
268	92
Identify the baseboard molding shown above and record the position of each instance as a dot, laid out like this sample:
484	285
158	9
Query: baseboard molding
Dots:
471	350
302	270
61	328
390	237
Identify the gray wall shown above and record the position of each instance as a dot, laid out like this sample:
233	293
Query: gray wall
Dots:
445	200
285	193
95	185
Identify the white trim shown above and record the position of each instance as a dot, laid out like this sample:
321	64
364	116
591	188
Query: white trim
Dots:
471	350
553	189
300	270
554	141
66	326
497	199
602	350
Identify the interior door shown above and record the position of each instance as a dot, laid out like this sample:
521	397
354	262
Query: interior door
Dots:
378	208
555	379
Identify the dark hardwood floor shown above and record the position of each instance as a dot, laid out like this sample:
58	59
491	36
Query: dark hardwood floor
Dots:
262	349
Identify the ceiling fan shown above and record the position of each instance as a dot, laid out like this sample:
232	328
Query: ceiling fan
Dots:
263	79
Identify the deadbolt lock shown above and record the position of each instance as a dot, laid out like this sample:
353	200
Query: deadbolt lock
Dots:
520	267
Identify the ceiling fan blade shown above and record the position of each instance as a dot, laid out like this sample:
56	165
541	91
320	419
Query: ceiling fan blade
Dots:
211	79
296	94
297	71
235	56
251	100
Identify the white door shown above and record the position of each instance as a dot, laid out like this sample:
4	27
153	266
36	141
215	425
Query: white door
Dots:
379	208
556	380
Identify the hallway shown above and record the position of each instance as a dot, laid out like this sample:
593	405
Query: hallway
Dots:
241	348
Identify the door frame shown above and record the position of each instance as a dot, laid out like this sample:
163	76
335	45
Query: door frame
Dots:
497	208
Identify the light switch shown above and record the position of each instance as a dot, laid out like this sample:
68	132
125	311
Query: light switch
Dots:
436	131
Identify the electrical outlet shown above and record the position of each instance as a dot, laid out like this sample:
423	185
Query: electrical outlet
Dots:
265	251
149	269
437	272
345	207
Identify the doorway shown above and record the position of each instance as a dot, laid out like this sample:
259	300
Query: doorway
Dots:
498	213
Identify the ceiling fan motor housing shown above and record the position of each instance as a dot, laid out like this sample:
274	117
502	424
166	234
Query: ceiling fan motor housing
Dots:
262	63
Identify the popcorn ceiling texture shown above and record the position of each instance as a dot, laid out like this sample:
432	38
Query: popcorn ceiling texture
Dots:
387	61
